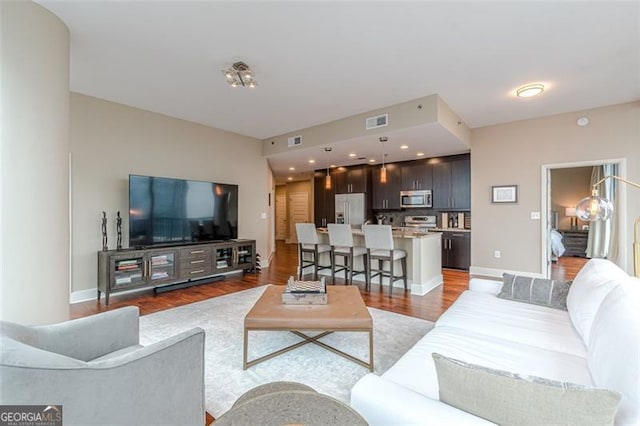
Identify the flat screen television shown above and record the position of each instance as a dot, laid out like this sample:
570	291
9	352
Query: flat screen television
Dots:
166	211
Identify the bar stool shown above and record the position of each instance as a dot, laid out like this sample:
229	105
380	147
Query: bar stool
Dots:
308	243
378	239
341	241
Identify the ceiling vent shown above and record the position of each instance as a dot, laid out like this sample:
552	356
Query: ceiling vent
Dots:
378	121
294	141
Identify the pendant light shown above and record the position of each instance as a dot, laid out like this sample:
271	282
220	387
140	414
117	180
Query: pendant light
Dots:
383	170
327	178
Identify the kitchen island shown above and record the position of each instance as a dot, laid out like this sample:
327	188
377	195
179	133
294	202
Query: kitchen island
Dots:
424	258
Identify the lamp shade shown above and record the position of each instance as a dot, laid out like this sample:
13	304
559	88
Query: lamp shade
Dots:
594	208
570	212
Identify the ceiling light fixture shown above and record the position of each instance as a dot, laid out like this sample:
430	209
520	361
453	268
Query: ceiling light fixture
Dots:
292	168
530	90
582	121
353	154
404	146
240	75
420	154
327	178
383	170
312	161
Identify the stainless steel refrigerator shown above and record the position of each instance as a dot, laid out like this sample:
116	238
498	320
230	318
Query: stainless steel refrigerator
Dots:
350	208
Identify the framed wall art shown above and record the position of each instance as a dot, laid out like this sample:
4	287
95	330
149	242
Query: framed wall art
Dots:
504	194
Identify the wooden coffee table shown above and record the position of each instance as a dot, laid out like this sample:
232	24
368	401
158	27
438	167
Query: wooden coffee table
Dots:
345	311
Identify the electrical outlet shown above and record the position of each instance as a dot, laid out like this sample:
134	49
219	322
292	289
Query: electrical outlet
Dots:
535	215
497	254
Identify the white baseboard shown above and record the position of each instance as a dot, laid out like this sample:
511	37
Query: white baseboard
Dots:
497	273
92	294
420	289
83	295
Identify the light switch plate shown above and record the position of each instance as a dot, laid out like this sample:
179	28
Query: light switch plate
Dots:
263	215
535	215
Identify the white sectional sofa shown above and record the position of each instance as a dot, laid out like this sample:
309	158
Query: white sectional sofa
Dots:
595	343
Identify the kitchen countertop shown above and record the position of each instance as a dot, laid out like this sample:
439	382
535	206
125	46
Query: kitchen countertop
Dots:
397	232
451	230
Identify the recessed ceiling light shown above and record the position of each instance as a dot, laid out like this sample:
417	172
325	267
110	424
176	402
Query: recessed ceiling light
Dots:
332	165
353	154
582	121
289	178
292	168
312	161
372	160
420	154
404	146
529	90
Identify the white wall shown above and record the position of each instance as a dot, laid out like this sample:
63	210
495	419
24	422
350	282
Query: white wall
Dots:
109	141
34	257
514	153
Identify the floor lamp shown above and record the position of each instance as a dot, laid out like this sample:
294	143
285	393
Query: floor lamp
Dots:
598	208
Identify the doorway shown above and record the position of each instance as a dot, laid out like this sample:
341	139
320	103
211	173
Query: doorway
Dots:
298	212
281	216
560	224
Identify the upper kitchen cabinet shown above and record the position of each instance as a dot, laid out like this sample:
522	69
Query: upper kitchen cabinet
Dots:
351	179
452	184
386	195
416	175
324	200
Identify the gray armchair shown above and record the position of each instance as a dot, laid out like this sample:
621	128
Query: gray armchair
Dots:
97	370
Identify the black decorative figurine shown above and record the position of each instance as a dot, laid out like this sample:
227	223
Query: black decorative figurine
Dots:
119	231
104	231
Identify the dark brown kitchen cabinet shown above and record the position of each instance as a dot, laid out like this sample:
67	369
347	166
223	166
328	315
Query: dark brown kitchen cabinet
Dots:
350	179
416	175
452	185
386	196
456	250
324	200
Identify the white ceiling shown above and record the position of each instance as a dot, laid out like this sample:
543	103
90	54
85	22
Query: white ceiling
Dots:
320	61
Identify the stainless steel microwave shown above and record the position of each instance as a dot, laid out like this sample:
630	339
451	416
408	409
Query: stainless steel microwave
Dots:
414	199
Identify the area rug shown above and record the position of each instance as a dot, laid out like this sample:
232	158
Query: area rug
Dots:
225	380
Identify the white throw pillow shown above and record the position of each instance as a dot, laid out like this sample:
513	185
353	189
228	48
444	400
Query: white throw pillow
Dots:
613	354
592	284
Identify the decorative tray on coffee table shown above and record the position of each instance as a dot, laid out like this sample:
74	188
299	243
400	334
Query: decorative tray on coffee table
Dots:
305	292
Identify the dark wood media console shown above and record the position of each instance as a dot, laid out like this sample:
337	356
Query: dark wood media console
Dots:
172	267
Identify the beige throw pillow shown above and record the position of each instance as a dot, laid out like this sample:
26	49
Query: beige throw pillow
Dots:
510	399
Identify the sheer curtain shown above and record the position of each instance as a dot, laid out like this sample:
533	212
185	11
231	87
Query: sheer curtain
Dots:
603	234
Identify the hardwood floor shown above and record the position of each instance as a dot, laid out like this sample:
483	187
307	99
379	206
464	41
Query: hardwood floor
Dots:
283	265
566	268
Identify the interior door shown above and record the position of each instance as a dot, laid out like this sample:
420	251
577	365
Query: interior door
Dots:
298	212
281	217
